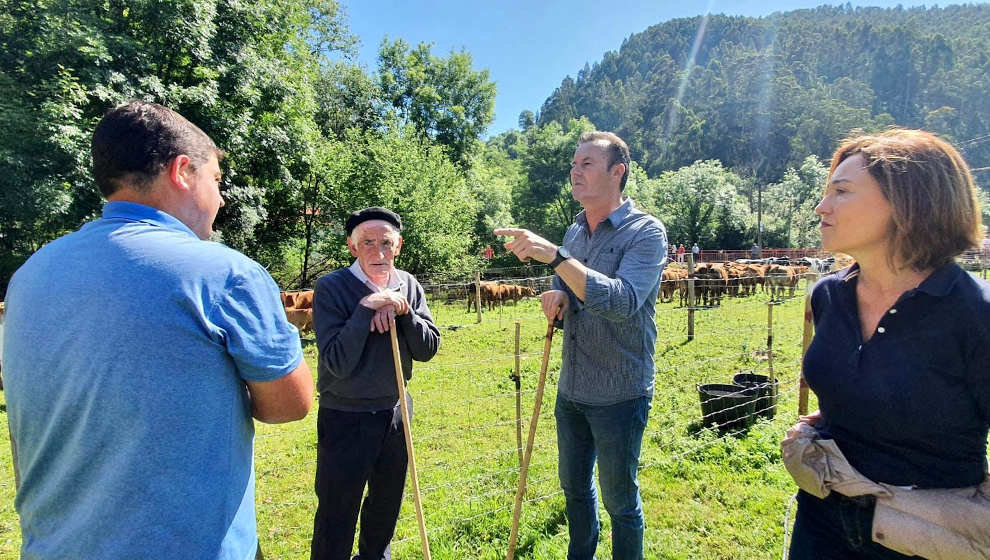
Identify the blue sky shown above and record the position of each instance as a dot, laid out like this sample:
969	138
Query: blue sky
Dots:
529	47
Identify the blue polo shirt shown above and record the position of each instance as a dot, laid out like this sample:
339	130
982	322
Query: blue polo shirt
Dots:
912	405
126	349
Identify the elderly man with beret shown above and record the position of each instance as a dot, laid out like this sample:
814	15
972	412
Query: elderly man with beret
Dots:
359	426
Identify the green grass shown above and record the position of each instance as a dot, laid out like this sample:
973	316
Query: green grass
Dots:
706	495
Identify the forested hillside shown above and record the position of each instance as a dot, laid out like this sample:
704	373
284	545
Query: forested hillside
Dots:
760	95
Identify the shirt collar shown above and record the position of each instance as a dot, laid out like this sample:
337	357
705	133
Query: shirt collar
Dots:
136	212
616	217
394	282
939	283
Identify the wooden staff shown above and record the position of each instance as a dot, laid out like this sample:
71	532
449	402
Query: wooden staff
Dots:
518	379
524	471
400	381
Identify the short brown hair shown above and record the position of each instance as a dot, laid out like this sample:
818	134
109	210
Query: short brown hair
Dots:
936	215
616	148
135	141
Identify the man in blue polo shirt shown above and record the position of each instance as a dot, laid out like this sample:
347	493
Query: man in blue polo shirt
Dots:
135	355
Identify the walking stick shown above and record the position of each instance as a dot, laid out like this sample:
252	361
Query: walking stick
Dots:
518	380
517	509
400	381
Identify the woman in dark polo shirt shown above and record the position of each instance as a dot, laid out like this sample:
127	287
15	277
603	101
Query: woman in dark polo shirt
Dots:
900	361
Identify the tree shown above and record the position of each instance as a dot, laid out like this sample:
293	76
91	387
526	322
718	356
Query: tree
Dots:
526	120
445	99
543	201
241	71
700	203
792	203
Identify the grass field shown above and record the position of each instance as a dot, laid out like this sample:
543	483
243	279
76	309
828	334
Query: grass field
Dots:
706	495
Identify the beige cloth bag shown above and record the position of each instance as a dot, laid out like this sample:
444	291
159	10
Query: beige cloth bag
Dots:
938	524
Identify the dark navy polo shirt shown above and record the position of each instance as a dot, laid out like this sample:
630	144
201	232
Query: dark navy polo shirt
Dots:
912	405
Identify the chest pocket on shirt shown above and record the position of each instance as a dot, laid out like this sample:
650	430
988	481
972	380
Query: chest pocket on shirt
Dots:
607	263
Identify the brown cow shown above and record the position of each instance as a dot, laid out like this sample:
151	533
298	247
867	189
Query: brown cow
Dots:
712	281
301	318
491	293
779	277
748	277
303	300
669	283
517	292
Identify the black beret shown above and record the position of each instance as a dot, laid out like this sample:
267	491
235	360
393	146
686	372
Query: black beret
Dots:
372	213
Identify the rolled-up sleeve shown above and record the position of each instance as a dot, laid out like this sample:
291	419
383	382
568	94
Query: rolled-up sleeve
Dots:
618	298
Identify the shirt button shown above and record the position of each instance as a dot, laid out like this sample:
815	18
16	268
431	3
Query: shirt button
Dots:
881	330
892	311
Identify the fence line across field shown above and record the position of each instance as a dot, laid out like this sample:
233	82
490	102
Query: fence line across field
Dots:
484	480
440	476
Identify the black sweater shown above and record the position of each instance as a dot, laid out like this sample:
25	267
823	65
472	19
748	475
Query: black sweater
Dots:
356	371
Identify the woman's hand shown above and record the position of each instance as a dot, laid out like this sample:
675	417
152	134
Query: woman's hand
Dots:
811	419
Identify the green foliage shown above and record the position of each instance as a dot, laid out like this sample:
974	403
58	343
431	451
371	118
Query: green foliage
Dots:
415	178
700	204
241	71
792	203
444	98
542	200
308	139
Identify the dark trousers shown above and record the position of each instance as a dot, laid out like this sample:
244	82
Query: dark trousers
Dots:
836	528
356	449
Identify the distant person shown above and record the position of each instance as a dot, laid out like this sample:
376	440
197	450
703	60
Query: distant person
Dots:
680	252
899	361
359	429
133	422
607	277
696	252
754	252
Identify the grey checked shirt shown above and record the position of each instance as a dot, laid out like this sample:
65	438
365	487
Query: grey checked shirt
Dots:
609	338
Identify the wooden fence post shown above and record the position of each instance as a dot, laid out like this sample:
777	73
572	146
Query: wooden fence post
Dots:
477	293
773	378
809	330
690	261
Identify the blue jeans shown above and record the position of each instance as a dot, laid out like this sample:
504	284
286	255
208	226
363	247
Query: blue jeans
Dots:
836	528
614	435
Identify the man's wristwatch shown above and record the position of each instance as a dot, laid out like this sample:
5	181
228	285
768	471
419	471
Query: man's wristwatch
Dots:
562	255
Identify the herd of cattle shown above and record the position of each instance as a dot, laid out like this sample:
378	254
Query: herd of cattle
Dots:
743	277
713	281
496	293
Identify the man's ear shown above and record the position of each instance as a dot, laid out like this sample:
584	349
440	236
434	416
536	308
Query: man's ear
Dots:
398	247
618	170
179	171
351	247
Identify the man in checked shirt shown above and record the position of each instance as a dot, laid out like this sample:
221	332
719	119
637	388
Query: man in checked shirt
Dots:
607	276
